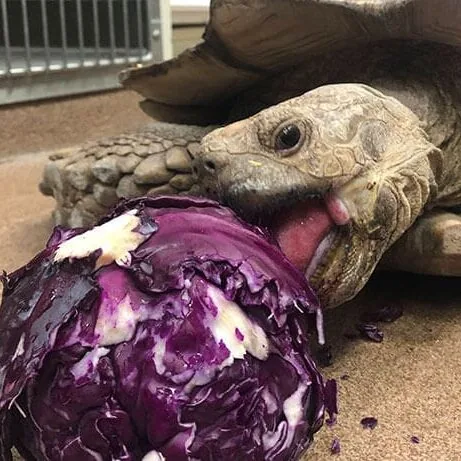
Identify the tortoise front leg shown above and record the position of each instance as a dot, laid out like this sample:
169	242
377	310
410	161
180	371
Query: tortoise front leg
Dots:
431	246
152	161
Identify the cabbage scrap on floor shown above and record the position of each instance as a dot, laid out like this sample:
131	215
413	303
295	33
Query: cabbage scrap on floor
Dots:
172	330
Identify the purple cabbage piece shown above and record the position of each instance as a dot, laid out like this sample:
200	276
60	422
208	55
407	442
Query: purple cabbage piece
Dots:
369	422
335	448
331	401
370	331
193	345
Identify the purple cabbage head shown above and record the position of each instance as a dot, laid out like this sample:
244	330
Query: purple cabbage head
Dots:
172	330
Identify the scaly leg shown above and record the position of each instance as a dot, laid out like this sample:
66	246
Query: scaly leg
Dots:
431	246
155	160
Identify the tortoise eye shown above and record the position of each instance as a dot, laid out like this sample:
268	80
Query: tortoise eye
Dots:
288	137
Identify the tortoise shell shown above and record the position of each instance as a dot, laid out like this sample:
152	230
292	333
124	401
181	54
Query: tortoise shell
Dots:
249	40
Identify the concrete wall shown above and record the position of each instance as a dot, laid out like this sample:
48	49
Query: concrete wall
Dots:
185	36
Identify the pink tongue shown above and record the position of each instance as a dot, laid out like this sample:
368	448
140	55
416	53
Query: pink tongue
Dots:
300	230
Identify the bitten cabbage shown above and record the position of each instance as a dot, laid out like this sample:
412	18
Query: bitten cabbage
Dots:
172	330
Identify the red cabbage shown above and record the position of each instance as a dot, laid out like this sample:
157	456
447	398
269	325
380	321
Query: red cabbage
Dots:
335	448
369	422
173	329
331	401
370	331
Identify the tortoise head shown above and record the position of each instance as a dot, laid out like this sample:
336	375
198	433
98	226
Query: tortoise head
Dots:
337	174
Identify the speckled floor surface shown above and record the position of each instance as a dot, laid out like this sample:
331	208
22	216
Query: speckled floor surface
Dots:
410	382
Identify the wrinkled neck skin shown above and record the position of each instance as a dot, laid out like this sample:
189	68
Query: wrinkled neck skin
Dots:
435	100
382	201
385	151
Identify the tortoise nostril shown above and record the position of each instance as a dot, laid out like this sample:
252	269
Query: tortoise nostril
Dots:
195	170
210	166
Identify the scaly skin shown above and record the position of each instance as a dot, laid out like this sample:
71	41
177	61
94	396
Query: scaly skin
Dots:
155	160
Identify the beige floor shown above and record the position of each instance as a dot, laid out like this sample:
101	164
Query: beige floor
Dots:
410	382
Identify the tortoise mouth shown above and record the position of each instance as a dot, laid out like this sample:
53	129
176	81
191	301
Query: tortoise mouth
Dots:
306	232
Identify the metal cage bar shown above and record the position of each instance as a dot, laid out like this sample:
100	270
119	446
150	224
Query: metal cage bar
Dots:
81	45
45	33
112	30
96	31
25	24
6	36
140	26
126	31
63	27
59	37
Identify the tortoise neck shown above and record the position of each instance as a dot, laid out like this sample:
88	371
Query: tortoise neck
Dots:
440	119
431	89
434	107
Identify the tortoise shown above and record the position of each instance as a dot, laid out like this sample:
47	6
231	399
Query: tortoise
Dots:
335	123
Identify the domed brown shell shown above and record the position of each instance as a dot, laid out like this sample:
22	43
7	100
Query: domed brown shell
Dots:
247	40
